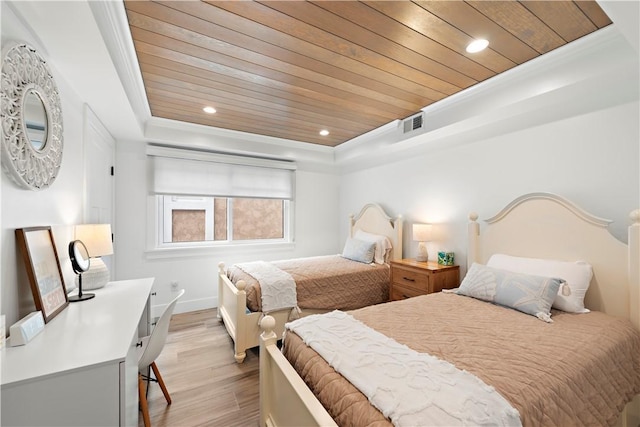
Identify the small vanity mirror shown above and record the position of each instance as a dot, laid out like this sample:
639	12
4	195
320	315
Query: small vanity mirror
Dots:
80	262
79	256
35	120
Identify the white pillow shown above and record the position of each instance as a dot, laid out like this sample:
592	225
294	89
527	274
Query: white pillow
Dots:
383	244
577	276
359	250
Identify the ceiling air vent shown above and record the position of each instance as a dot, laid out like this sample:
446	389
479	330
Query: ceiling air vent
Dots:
412	123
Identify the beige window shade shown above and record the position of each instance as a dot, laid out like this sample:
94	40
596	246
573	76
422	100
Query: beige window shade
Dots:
194	173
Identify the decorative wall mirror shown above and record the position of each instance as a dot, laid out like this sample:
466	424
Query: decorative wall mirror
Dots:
31	119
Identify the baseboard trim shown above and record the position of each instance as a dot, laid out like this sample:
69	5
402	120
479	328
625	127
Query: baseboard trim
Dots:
186	306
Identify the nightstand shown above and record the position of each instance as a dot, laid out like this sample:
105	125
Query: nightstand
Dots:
410	278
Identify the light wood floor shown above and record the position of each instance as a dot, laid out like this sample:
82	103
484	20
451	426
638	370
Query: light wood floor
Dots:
207	386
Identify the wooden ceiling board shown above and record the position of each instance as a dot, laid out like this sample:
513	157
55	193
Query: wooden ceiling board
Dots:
251	72
231	103
303	105
519	21
257	111
383	57
424	22
298	110
461	71
293	44
290	68
273	68
205	31
469	21
594	12
563	17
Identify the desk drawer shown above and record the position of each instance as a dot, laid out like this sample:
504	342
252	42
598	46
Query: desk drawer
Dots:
410	278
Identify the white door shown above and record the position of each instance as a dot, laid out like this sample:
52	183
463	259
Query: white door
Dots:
99	168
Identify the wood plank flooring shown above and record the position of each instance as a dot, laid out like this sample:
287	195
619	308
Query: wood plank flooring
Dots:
207	386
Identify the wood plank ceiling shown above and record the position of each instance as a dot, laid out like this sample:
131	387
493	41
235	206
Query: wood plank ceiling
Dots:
288	69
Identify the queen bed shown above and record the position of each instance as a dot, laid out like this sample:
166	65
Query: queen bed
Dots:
321	283
574	368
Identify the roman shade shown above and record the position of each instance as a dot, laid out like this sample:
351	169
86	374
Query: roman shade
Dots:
199	173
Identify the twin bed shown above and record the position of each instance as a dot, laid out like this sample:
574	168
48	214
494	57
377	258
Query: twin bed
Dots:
583	368
323	283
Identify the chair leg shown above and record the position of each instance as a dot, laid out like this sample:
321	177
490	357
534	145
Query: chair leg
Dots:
161	382
143	402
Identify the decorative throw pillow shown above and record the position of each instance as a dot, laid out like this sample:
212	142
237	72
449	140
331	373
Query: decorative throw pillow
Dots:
359	250
383	244
526	293
577	276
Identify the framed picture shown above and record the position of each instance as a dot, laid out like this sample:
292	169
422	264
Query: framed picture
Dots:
43	269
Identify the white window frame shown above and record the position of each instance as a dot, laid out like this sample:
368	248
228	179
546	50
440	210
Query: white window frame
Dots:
171	203
166	203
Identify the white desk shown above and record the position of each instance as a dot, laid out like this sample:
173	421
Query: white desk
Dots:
81	370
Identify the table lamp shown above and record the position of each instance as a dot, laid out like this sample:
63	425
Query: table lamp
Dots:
97	239
422	234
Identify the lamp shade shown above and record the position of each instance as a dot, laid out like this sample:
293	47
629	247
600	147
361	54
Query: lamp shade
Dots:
96	237
422	232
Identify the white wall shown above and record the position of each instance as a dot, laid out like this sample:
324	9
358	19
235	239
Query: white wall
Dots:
592	159
315	226
59	206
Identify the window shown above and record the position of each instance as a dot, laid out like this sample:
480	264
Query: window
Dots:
221	219
214	199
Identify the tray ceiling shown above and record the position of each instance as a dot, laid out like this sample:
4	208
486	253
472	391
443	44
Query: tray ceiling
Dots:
288	69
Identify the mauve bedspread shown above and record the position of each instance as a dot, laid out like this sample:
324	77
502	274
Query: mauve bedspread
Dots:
579	370
328	282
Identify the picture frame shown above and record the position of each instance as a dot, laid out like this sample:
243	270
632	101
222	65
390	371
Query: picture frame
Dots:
43	270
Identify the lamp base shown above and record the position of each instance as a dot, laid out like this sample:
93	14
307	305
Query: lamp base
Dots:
423	255
96	277
84	297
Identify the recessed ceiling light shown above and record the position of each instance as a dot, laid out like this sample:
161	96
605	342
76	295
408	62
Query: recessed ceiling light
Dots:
209	110
324	132
477	45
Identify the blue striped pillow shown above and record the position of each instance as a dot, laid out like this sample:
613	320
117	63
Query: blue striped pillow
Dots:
523	292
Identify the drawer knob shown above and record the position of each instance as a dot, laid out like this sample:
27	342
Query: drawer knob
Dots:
405	296
139	344
408	279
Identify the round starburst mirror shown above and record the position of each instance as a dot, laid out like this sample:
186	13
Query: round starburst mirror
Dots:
31	119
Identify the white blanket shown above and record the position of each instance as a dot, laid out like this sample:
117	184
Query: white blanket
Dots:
277	287
408	387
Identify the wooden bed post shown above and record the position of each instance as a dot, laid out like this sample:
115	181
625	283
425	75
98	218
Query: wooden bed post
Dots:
634	268
267	338
220	293
351	224
473	236
398	226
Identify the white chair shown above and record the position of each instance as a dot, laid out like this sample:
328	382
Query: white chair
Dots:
151	347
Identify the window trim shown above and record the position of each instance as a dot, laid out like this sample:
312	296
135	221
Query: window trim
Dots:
161	245
185	203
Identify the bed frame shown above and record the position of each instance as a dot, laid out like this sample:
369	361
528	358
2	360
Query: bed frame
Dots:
243	325
537	225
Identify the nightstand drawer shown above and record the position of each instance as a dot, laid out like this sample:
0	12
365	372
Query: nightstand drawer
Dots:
411	278
399	292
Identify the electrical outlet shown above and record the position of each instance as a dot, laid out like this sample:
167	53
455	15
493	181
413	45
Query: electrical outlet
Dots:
174	285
